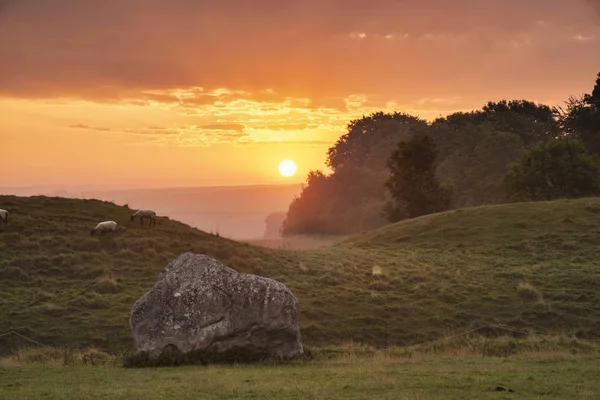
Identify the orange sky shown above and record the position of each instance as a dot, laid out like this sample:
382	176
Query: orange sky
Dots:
191	92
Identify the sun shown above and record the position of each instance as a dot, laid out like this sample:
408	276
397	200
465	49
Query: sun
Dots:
287	168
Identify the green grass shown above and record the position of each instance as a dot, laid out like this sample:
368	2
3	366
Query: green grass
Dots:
531	266
532	377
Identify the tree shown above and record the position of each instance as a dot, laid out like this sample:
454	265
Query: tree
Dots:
273	224
581	119
475	149
369	138
531	121
475	158
558	168
413	186
309	212
350	199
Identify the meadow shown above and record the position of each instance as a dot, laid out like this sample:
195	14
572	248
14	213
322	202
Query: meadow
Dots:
547	375
517	269
485	302
298	242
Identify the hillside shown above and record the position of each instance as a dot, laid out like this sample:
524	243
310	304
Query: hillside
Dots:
531	266
211	209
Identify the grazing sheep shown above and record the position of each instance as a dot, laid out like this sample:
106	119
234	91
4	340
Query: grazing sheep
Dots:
144	214
4	216
106	226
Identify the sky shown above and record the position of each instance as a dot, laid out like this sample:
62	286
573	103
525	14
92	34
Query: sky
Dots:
149	93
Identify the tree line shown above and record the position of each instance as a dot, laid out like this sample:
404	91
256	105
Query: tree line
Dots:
393	166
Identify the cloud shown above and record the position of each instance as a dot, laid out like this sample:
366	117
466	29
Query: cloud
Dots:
224	127
152	51
185	135
243	121
581	38
93	128
135	131
287	142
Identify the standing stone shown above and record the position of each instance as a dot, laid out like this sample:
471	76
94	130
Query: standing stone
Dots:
200	304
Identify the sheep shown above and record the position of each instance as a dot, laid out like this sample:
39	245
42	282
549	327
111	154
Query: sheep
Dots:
105	226
4	216
144	214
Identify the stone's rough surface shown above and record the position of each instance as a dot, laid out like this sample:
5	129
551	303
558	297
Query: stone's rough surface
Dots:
200	304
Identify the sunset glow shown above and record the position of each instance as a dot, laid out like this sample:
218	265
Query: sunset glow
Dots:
216	93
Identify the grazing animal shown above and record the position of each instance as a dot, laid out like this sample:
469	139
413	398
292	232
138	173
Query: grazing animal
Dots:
144	214
106	226
4	216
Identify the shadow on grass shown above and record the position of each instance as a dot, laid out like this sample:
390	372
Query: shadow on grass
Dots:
173	357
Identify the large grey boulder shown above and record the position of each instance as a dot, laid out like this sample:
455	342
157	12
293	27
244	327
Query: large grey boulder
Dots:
200	304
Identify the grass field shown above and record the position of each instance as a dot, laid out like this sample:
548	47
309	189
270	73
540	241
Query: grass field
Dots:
524	377
298	242
530	266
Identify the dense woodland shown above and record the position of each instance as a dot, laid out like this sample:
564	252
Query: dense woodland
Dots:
392	166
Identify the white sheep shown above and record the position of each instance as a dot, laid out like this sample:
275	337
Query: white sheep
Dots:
106	226
4	216
144	214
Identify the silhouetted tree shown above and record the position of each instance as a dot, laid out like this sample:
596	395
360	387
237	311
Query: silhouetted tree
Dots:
558	168
581	119
474	152
532	122
273	224
350	199
308	213
369	140
475	158
413	186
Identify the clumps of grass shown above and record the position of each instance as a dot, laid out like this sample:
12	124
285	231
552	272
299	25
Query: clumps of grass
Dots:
528	292
126	254
88	271
58	356
467	346
107	284
541	306
243	263
379	286
50	308
569	245
14	273
93	300
347	350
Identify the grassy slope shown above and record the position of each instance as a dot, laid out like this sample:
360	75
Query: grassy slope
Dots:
526	265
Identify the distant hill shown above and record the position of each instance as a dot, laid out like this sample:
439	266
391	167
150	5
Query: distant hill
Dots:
531	266
237	212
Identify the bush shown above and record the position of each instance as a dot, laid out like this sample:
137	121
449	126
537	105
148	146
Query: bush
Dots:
559	168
